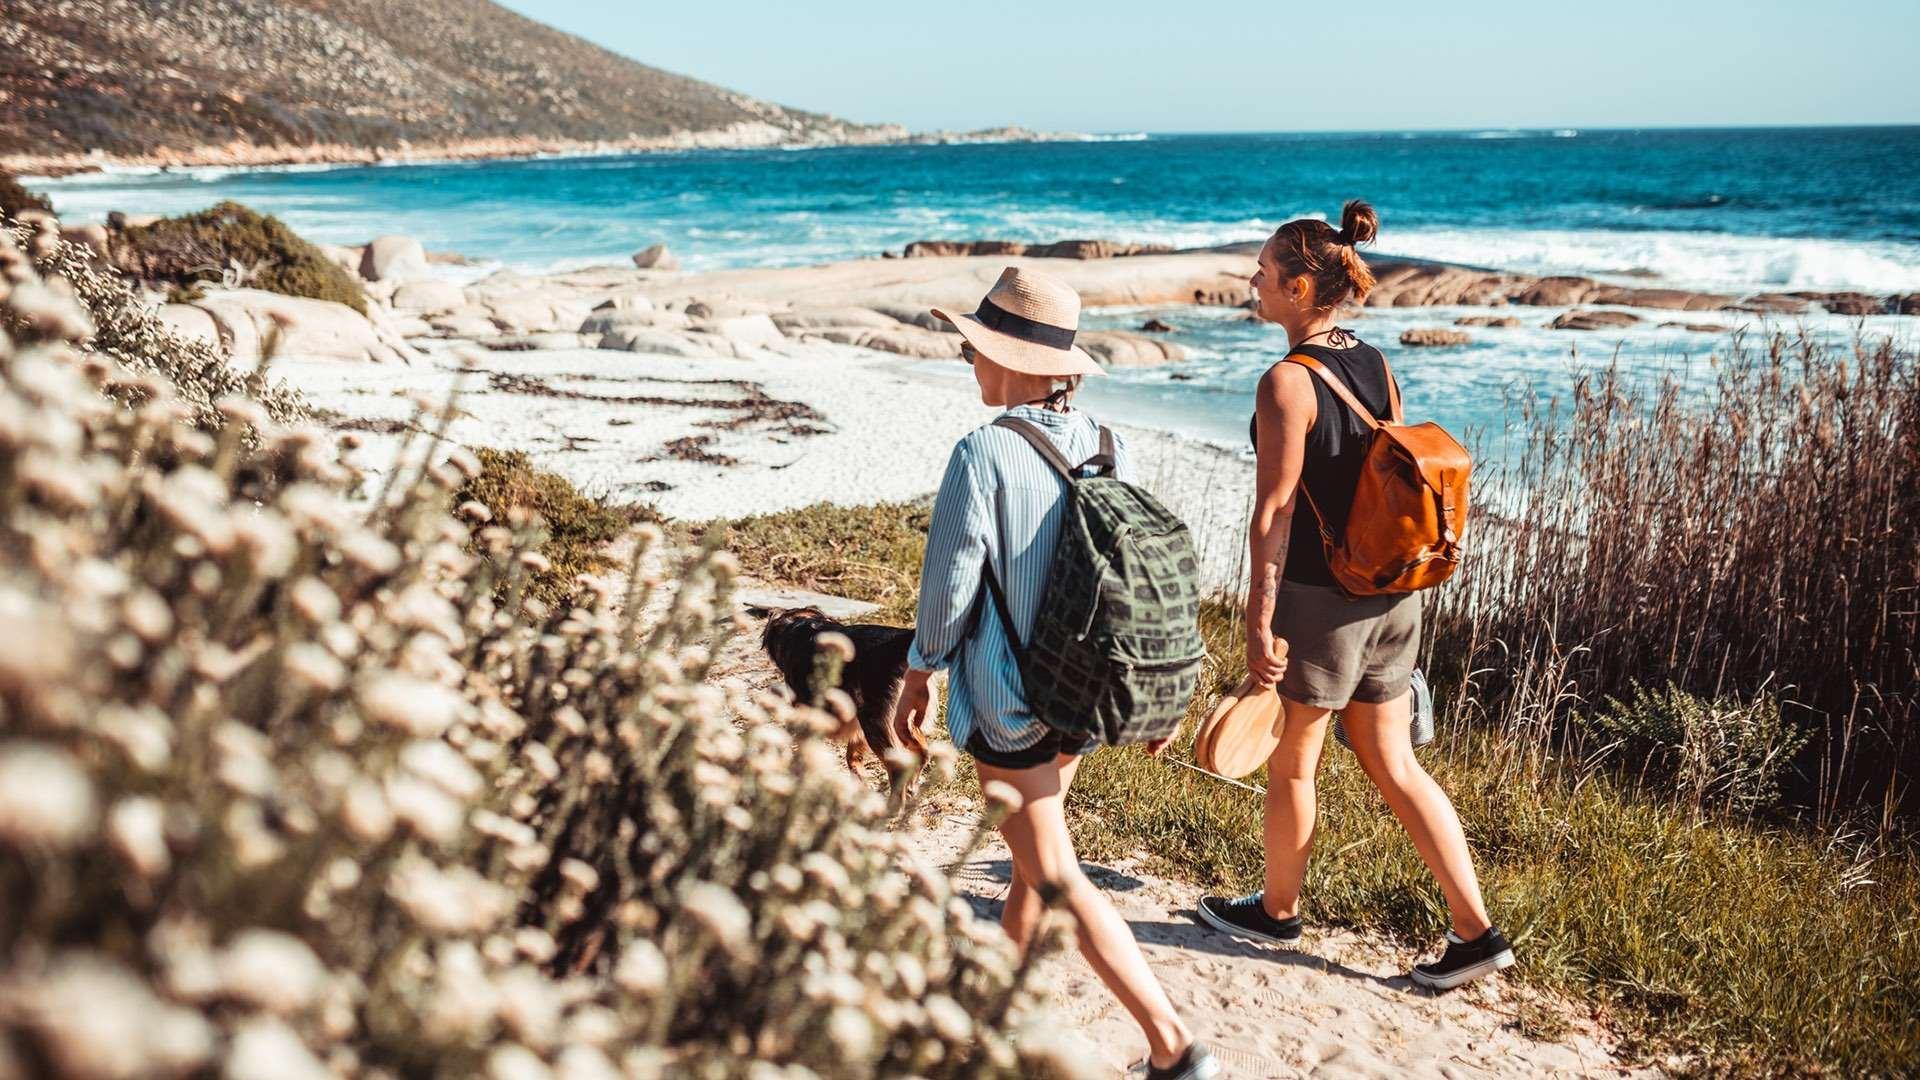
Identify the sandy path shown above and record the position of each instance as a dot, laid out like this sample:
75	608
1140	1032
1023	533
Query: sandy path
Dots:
1340	1007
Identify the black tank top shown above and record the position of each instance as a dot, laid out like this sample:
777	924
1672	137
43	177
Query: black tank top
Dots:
1336	446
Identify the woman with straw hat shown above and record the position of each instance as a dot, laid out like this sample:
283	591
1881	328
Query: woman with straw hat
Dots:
999	513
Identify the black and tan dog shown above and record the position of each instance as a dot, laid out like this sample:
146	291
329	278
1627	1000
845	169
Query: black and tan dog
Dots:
872	678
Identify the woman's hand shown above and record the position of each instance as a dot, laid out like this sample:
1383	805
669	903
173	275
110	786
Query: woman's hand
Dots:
911	708
1266	655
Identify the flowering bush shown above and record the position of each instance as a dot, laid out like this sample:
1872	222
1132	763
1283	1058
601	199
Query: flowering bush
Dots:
288	788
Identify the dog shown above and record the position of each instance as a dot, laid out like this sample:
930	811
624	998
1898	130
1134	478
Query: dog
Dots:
872	678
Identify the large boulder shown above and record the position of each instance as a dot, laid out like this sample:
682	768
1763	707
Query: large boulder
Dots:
608	321
1771	304
1666	299
429	297
657	257
637	302
1118	348
1555	292
535	311
346	258
466	322
1593	320
901	341
745	332
647	339
1507	322
1433	284
939	249
1908	304
189	322
1847	303
1434	337
1093	249
820	319
248	318
393	258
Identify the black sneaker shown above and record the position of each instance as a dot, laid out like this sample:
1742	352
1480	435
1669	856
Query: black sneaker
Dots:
1198	1063
1465	961
1247	917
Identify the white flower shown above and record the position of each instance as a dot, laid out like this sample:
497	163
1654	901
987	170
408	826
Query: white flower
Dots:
266	1049
642	970
271	970
137	829
516	1063
413	705
365	813
584	1062
441	765
720	913
45	799
430	812
96	1019
451	901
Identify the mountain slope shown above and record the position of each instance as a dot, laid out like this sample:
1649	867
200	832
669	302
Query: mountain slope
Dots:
180	79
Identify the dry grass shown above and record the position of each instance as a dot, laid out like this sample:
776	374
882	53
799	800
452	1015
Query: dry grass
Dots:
1762	541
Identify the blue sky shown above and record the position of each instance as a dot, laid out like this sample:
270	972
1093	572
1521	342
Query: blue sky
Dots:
1155	65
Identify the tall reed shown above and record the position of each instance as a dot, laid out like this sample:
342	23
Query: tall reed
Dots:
1760	536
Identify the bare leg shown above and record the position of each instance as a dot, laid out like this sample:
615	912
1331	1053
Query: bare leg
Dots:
1291	806
1022	911
1043	851
1381	741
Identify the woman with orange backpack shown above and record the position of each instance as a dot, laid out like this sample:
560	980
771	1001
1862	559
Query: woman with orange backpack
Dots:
1332	601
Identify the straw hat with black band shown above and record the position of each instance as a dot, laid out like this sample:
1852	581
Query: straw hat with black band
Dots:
1026	323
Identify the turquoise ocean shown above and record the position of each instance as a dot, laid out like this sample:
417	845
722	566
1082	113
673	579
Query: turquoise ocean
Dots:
1737	211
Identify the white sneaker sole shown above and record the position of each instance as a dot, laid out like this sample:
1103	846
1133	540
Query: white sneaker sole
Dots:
1225	927
1499	960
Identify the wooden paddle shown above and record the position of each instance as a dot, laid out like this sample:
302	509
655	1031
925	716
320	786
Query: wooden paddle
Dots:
1240	733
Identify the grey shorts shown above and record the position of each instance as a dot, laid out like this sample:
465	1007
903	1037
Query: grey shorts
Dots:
1342	648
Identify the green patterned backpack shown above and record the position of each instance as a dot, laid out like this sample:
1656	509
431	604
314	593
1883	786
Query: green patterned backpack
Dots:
1116	648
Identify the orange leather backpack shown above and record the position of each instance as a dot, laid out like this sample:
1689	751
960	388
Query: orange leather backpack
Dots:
1410	509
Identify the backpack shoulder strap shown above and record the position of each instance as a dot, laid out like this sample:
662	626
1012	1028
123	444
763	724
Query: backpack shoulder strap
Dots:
1340	388
1393	392
1040	442
1108	459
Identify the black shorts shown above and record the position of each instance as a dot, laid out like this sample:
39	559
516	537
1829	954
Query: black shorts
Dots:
1051	745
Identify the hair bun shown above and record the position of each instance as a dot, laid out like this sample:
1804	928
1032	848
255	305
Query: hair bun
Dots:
1358	223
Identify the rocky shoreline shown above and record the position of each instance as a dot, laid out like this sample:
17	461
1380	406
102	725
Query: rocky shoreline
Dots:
741	136
1405	282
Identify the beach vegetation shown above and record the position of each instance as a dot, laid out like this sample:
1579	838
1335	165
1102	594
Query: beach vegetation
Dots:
288	789
1676	723
232	244
573	529
104	314
15	197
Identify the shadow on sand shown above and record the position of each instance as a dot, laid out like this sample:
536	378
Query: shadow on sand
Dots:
1186	932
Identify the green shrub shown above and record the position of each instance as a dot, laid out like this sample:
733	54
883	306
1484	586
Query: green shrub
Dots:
867	553
1716	753
14	198
285	792
574	529
234	243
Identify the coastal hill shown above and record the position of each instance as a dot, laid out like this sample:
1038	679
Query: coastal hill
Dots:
257	81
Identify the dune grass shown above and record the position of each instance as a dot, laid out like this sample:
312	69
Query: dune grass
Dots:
1743	947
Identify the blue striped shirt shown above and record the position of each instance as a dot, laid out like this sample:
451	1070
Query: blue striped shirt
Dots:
1000	505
